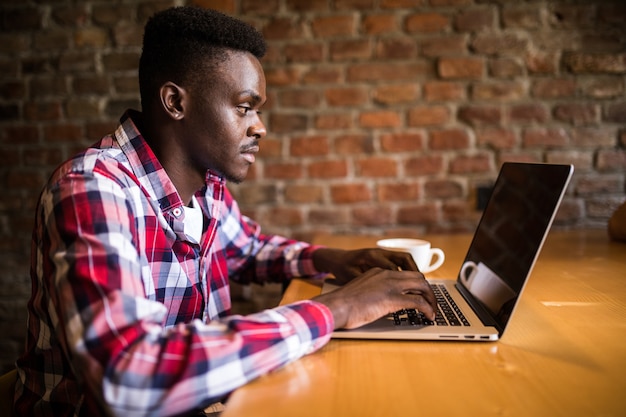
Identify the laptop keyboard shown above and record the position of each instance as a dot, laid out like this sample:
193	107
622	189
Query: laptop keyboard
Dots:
448	313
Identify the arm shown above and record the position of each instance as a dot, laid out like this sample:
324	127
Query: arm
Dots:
111	326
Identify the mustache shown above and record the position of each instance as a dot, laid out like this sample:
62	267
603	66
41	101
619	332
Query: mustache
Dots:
250	146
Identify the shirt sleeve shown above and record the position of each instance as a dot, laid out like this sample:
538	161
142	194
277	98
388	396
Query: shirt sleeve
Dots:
254	257
113	333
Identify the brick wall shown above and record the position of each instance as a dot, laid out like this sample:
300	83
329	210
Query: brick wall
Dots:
385	116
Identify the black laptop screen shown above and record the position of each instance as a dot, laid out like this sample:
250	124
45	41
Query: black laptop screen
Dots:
511	231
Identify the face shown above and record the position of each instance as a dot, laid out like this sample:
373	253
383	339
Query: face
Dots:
222	124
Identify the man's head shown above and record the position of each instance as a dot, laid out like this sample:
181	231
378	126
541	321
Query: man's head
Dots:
182	44
202	86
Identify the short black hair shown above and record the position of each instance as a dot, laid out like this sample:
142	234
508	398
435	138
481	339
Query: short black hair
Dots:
182	43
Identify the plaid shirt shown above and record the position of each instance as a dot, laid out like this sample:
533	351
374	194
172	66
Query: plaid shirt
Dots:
127	314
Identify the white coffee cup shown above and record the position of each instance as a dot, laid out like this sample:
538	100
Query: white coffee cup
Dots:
420	249
486	285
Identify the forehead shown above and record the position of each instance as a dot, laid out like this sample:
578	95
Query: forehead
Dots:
241	71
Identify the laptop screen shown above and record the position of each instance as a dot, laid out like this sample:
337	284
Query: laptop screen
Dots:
518	215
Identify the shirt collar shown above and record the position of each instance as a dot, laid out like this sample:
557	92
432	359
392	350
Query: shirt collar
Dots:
147	167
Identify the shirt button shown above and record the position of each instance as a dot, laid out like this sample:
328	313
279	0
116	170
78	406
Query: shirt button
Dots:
177	212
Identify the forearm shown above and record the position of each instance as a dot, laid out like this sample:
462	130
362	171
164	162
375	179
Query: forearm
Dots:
190	366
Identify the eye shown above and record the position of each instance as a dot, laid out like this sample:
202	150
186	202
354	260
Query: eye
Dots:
246	110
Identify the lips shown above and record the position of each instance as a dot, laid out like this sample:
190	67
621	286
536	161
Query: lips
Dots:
248	153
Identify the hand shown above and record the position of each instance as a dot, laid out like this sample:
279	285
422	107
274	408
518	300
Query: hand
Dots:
348	264
377	293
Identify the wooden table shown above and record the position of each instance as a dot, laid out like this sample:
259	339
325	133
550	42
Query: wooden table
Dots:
564	353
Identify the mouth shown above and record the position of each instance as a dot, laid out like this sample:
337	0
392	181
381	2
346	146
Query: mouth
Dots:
249	152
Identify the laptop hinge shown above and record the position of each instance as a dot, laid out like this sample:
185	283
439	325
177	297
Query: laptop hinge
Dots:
481	311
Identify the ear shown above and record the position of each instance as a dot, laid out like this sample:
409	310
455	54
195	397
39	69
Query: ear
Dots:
173	100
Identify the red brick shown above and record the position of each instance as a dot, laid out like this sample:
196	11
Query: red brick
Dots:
27	179
41	111
91	37
599	184
328	216
287	122
497	138
43	157
611	160
541	62
307	52
426	22
301	98
328	169
283	28
420	214
594	63
443	45
82	109
449	139
424	165
554	88
19	134
333	121
378	24
406	191
354	144
401	4
380	118
359	49
443	189
307	5
350	193
266	7
582	160
471	164
304	194
322	75
388	71
62	133
119	61
270	148
615	112
594	137
529	113
523	17
283	216
500	43
429	115
391	94
498	91
479	115
316	145
444	91
371	216
402	142
545	137
332	26
461	68
346	96
602	86
475	19
283	170
284	76
396	48
505	68
577	113
376	167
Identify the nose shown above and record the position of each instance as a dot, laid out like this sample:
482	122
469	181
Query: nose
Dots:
257	129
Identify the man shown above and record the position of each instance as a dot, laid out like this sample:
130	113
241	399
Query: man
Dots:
136	239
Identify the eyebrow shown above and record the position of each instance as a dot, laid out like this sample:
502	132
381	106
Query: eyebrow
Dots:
255	96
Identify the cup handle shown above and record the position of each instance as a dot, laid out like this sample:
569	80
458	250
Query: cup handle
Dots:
440	258
465	277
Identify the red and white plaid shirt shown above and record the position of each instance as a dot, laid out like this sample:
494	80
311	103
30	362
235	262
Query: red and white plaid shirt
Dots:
128	314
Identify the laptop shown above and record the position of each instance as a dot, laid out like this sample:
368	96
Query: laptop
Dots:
481	301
